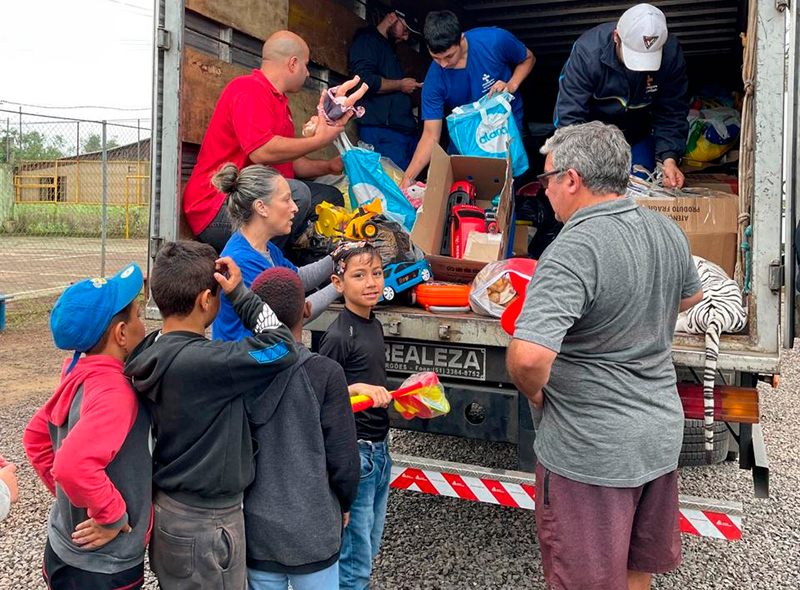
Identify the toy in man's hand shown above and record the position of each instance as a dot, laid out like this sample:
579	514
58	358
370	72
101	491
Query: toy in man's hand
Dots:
335	104
419	396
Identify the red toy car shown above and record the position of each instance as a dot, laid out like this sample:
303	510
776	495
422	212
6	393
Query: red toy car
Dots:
465	219
461	193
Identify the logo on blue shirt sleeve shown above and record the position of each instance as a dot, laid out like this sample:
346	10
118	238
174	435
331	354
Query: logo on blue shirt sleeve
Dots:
271	354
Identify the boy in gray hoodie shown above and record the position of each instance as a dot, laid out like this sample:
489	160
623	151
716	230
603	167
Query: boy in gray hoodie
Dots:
307	467
89	443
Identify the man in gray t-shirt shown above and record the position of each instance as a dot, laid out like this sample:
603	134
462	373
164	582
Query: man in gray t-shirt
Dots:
591	351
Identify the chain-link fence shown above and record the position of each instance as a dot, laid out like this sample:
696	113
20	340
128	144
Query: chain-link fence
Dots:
74	203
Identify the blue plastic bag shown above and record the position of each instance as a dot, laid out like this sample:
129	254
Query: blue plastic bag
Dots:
487	128
369	180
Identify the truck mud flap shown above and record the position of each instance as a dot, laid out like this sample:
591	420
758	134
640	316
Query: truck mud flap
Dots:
716	519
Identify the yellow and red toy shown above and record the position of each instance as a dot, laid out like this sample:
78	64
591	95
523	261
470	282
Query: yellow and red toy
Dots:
419	396
337	222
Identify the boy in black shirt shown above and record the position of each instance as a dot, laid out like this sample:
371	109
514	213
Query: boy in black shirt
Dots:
355	341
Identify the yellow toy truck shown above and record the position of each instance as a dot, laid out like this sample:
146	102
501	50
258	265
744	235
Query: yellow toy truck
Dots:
337	222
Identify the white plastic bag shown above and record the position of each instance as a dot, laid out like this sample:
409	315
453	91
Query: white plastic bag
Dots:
491	292
369	180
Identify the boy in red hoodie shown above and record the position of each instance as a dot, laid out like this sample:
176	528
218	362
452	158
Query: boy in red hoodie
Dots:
90	442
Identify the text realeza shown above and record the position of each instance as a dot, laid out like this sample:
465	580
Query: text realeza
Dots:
444	358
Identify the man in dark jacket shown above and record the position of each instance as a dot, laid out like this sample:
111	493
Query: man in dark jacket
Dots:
195	388
308	465
631	74
388	123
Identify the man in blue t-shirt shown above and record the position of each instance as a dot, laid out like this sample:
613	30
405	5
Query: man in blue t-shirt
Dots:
466	66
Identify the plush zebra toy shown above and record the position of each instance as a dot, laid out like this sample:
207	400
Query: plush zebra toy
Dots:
721	310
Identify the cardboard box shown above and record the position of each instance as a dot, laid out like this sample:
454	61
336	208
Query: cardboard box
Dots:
724	183
483	247
491	176
710	221
522	237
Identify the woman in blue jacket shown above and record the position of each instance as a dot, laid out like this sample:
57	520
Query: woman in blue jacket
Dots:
260	206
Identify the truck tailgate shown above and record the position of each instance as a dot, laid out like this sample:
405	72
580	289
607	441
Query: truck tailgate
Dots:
414	323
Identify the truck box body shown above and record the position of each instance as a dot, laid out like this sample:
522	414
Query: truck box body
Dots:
202	44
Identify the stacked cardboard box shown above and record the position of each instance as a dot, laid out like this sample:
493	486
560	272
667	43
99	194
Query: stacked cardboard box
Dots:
708	217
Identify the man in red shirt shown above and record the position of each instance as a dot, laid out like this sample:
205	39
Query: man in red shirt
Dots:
252	124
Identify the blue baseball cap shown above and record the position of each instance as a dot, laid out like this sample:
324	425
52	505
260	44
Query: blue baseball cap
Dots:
83	312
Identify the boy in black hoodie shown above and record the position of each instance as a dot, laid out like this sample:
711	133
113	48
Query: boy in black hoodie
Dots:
307	468
203	457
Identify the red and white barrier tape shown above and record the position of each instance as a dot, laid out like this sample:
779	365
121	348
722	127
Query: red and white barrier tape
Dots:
467	488
704	523
711	524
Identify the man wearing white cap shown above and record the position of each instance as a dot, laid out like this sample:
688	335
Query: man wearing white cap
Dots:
631	74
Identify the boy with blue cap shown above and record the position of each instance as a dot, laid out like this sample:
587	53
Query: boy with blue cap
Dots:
90	442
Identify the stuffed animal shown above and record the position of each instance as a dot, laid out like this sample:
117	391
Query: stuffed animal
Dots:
721	310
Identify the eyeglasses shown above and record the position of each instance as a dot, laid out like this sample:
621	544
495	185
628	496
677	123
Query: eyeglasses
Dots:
544	179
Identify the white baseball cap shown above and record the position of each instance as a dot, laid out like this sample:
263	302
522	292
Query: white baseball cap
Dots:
643	32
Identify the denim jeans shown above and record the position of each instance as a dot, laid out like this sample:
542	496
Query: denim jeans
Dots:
643	154
327	579
392	144
362	537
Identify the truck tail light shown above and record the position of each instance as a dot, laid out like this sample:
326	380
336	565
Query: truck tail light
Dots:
731	404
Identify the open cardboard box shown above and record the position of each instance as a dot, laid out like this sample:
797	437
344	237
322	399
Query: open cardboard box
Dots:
491	176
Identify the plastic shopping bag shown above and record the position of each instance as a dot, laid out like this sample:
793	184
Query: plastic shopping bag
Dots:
487	128
712	132
369	180
492	292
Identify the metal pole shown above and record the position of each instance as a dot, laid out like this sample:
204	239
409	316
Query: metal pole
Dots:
20	126
105	205
78	165
790	179
8	140
138	160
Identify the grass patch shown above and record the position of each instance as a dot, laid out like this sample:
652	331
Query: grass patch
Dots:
25	313
35	312
66	219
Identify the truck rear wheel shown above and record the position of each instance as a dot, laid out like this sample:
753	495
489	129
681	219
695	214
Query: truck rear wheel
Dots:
693	450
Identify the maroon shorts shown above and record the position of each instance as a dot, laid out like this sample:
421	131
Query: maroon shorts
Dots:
590	536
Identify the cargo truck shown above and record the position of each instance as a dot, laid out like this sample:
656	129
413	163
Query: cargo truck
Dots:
203	44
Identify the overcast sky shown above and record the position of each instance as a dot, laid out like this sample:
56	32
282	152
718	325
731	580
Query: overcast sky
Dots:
73	53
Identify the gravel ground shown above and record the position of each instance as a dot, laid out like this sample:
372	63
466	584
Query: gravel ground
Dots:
443	543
